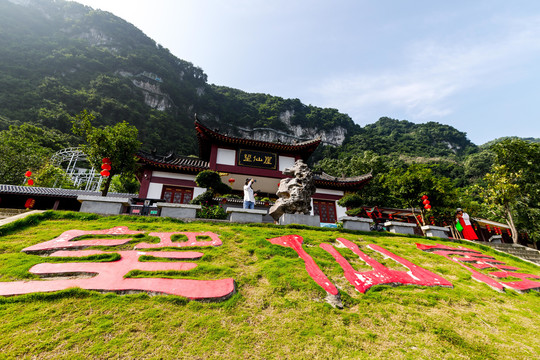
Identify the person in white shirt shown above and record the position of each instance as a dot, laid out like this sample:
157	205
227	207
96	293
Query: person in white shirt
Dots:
249	196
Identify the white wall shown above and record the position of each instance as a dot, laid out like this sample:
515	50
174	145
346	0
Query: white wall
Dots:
285	162
340	211
329	192
198	191
226	156
170	175
154	191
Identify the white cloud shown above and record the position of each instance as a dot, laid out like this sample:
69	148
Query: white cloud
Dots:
424	85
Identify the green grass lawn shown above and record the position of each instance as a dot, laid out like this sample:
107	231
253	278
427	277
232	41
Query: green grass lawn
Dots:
278	311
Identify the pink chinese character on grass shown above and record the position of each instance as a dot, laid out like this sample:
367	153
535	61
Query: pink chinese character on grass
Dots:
67	240
110	276
295	242
362	281
381	275
192	240
476	259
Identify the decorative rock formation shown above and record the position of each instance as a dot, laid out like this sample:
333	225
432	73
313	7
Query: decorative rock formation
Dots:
294	193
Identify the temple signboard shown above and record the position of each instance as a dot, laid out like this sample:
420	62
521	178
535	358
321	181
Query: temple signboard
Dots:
257	159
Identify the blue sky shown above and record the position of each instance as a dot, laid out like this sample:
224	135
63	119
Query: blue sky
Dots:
471	64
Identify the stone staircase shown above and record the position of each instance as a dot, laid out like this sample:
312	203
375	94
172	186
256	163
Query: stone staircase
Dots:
10	215
6	213
519	251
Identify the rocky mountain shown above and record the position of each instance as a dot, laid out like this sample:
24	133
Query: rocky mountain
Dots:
61	57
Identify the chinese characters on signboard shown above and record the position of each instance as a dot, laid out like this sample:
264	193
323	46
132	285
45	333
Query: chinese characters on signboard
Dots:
258	159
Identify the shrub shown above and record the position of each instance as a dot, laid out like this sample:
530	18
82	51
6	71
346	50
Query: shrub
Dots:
211	212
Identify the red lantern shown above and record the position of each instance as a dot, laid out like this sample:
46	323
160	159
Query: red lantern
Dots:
30	182
425	202
231	180
28	173
424	197
508	232
488	228
29	203
427	207
106	166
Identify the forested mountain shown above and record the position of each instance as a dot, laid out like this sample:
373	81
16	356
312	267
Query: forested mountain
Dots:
59	58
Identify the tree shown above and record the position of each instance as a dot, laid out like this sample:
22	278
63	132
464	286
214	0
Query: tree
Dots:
502	194
408	186
118	143
210	180
26	147
51	176
513	185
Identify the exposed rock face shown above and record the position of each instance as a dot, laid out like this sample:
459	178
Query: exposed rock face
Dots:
95	37
335	137
294	193
153	96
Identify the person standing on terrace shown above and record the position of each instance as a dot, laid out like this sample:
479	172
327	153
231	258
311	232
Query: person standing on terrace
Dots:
249	196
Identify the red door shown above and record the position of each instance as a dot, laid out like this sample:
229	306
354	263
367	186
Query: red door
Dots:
326	210
177	195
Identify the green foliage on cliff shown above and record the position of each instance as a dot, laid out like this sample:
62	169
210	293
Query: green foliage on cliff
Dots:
59	58
389	136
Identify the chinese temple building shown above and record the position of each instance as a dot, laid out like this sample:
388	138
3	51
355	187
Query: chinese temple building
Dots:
172	178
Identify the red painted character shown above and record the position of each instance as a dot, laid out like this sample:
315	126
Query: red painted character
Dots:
463	219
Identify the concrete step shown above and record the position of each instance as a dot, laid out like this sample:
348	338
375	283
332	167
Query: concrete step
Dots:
518	251
5	213
19	216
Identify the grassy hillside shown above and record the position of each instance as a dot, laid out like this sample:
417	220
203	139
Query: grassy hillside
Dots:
278	311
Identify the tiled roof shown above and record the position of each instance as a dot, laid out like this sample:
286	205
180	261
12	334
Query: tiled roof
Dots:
172	161
322	178
53	192
207	137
